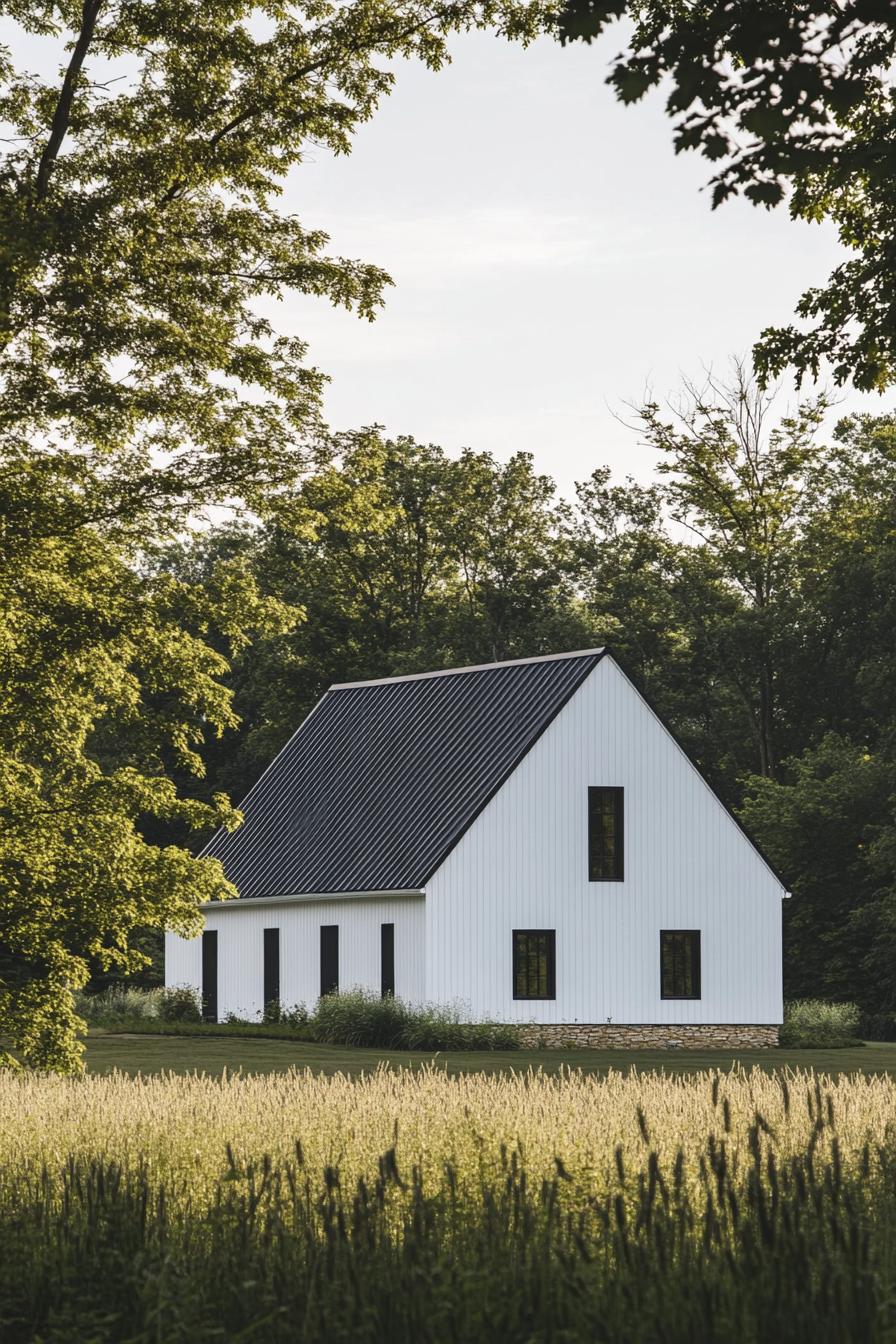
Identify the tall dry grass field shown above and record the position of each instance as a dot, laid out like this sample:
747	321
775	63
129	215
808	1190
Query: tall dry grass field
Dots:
414	1207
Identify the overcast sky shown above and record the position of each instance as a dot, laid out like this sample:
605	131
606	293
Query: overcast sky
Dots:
551	258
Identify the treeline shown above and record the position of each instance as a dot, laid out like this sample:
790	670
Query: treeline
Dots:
750	591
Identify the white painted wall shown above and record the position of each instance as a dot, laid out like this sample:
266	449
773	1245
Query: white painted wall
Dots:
523	864
240	926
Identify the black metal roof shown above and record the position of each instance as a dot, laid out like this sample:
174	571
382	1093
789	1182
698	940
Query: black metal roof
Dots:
376	787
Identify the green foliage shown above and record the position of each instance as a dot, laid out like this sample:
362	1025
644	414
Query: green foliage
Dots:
141	237
362	1018
832	820
179	1003
813	1024
119	1003
789	103
355	1017
401	559
125	1005
149	206
277	1013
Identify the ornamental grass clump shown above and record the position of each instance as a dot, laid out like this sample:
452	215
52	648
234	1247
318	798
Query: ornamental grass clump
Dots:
360	1017
119	1004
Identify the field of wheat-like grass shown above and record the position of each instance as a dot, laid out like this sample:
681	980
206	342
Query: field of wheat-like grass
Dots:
414	1207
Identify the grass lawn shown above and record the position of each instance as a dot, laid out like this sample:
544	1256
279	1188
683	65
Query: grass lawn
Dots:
213	1054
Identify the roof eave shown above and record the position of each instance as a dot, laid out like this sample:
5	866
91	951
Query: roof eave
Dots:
299	897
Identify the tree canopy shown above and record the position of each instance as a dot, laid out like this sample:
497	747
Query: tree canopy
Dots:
789	102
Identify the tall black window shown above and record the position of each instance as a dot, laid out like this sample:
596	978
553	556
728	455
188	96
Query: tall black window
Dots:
387	960
534	964
210	975
271	966
329	959
680	963
605	835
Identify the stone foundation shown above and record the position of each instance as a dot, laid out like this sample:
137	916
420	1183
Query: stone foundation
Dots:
619	1036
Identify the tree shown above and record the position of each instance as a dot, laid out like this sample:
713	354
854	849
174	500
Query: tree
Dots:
141	231
104	689
832	823
701	572
402	560
506	537
141	381
795	103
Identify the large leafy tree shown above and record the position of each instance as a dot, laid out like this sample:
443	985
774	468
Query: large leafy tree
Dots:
832	823
790	103
700	573
142	235
107	684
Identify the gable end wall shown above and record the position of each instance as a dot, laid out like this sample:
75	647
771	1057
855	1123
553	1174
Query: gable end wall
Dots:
523	864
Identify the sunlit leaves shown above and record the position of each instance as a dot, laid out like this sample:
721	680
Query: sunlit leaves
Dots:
790	104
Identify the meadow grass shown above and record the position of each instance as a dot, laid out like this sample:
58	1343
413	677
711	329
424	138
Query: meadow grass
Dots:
412	1206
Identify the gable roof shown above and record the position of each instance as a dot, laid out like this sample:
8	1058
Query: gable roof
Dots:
381	780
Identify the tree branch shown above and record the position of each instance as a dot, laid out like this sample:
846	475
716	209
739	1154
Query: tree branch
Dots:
62	114
331	55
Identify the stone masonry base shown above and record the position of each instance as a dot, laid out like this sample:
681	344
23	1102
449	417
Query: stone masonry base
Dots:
618	1036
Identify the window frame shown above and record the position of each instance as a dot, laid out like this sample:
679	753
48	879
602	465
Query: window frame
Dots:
387	961
551	936
270	975
209	992
329	959
618	793
696	965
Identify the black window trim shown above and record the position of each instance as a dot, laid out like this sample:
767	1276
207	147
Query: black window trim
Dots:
329	959
270	991
387	961
551	935
209	994
697	967
618	791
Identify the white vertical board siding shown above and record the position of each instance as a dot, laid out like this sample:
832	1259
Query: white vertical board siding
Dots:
241	925
523	864
183	961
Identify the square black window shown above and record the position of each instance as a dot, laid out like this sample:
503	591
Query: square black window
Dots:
605	835
534	964
680	963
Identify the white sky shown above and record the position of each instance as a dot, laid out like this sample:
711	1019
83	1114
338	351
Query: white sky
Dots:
551	258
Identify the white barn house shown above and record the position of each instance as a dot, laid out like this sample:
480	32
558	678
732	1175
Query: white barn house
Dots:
526	838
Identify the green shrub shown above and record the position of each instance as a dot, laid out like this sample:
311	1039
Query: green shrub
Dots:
361	1017
278	1014
813	1024
181	1003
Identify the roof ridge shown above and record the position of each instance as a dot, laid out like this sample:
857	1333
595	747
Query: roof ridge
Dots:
472	667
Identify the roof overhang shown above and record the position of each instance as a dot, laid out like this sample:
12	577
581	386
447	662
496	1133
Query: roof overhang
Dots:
298	898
